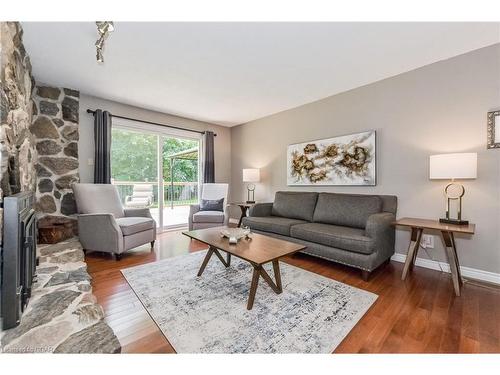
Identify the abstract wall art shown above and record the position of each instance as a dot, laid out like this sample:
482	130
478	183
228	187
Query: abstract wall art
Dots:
343	160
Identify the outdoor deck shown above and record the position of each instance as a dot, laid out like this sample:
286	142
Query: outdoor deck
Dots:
172	216
177	198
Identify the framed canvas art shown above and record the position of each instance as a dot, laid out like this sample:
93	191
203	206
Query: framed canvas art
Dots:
344	160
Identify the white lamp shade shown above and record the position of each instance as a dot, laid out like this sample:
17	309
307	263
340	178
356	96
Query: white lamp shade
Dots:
453	166
251	175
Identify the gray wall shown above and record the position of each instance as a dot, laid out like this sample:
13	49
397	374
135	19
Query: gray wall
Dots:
439	108
86	143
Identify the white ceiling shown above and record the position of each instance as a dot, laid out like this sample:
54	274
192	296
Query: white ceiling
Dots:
231	73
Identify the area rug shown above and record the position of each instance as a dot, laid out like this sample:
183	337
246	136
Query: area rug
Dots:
208	314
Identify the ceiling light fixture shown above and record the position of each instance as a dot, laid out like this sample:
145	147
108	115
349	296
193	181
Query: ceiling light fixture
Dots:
104	28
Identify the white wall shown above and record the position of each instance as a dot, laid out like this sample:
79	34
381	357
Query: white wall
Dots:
439	108
86	142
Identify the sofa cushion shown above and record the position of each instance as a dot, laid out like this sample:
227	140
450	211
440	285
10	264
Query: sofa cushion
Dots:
208	217
294	205
345	238
345	209
132	225
273	224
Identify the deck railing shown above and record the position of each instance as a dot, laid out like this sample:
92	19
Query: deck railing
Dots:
175	194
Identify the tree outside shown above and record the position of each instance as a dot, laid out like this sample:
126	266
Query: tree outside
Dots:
134	158
184	170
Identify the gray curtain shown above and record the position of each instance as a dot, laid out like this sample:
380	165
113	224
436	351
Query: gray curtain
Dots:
102	139
209	162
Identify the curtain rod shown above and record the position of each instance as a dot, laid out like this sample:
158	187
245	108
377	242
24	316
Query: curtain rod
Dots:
152	123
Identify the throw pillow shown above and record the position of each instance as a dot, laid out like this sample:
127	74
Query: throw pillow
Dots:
212	205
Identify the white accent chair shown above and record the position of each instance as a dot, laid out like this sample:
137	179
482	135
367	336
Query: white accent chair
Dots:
104	225
142	196
209	219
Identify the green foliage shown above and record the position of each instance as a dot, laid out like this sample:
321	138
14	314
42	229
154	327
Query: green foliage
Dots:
134	157
184	170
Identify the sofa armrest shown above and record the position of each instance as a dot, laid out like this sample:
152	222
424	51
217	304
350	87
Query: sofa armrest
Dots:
261	209
100	231
137	212
379	223
379	227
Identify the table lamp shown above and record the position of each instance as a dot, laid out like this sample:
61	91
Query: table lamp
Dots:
251	175
452	167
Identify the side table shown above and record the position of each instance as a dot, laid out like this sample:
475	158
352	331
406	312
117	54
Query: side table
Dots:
244	208
447	232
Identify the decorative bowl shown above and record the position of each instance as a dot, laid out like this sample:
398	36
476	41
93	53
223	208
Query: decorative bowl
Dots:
235	232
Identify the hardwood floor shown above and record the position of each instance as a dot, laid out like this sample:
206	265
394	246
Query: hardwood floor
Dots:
418	315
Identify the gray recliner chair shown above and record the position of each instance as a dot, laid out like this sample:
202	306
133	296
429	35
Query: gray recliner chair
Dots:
208	219
104	225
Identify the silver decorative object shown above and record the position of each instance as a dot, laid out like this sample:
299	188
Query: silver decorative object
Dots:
104	28
235	234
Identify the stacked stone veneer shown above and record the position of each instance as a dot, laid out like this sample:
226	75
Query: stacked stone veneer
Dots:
55	128
38	134
17	143
62	315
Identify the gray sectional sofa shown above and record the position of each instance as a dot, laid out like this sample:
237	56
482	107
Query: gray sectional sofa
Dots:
351	229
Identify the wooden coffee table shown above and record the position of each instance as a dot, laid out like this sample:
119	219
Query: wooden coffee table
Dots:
256	250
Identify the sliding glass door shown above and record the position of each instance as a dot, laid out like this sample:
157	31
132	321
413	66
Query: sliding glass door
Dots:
180	159
155	169
134	168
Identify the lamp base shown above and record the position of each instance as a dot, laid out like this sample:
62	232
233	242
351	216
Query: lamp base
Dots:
454	221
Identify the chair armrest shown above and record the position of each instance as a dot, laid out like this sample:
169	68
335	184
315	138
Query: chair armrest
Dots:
227	210
137	212
193	208
261	209
100	231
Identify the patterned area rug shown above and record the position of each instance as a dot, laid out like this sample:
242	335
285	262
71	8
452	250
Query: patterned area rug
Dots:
208	314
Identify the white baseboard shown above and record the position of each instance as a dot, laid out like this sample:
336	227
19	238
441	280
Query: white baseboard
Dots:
467	272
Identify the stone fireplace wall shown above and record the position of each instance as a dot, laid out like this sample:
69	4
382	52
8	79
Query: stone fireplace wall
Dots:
38	135
55	128
17	143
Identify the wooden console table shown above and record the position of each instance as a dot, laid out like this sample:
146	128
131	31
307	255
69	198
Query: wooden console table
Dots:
447	231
